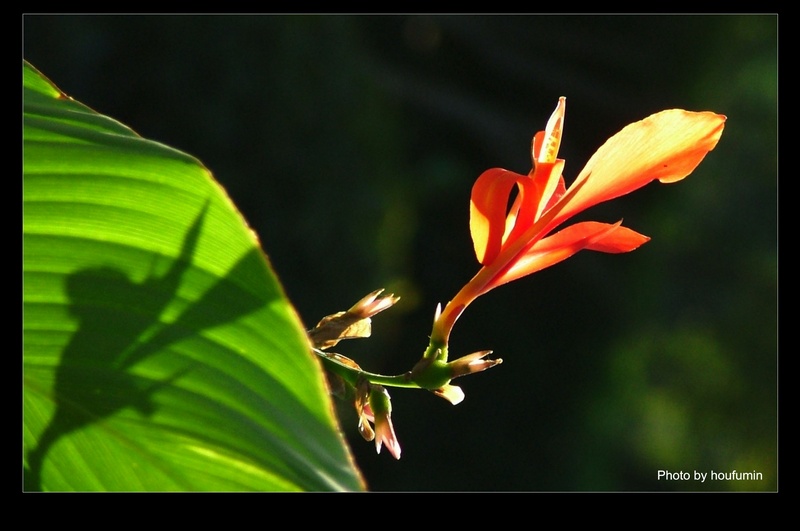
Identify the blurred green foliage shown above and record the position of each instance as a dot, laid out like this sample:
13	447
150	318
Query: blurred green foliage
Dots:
350	144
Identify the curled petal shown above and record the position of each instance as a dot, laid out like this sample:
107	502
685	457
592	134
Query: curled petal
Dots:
666	146
488	210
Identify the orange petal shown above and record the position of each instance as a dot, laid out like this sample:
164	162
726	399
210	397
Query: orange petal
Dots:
620	240
488	210
560	190
512	217
563	244
538	192
666	146
536	147
549	185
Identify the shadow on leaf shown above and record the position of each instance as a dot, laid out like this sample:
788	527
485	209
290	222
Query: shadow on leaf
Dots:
118	327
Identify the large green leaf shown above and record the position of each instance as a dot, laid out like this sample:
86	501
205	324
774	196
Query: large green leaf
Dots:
160	353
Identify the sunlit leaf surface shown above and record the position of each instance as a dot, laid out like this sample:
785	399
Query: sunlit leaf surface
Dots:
160	353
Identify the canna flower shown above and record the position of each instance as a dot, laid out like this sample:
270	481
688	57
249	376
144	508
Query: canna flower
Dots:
511	243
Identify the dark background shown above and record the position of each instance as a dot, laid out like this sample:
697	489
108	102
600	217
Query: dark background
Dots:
350	144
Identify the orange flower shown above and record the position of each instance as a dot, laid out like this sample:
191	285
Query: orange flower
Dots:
512	243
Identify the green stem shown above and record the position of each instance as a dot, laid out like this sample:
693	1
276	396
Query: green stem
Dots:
351	374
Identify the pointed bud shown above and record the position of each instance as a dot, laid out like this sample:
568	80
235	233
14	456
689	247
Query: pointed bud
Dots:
381	406
472	363
372	304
